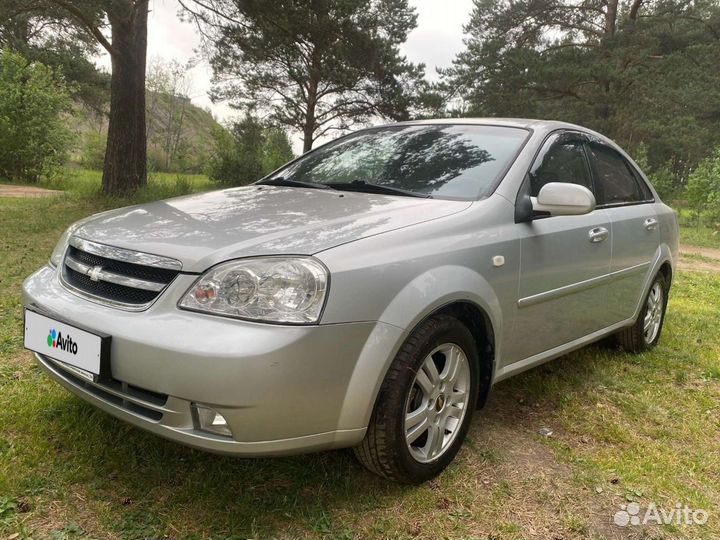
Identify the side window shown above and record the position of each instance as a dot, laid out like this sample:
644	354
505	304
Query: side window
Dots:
616	183
562	159
647	195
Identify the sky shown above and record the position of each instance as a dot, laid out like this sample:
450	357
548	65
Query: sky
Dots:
435	42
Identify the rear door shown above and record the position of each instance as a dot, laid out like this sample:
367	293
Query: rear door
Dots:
626	198
564	259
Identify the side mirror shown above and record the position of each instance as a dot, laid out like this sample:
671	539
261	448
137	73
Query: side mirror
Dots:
563	199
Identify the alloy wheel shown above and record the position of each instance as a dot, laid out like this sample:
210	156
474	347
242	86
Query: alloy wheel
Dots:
653	313
437	403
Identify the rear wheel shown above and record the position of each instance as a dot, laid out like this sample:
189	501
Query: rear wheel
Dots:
425	404
645	333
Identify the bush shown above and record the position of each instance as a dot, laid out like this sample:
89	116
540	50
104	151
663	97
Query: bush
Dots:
278	149
703	190
93	151
247	151
665	182
663	179
34	140
187	158
156	159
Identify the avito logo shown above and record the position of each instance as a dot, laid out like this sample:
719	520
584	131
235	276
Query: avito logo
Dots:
57	341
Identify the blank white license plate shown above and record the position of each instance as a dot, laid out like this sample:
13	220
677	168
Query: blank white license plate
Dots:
66	343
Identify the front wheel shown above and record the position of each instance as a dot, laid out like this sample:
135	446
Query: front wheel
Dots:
645	333
425	404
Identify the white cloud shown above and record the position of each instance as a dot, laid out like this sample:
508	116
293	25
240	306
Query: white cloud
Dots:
439	33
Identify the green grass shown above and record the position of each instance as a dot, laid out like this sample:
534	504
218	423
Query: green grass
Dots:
87	183
692	234
624	427
702	237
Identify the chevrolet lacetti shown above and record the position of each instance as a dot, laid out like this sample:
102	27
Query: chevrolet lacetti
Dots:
367	294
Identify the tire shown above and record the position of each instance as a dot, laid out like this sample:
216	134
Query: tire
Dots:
634	338
385	450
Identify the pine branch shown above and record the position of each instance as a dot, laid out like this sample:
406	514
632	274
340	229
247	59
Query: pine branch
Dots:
88	24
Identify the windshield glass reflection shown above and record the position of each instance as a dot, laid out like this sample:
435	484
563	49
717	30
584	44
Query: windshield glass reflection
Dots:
444	161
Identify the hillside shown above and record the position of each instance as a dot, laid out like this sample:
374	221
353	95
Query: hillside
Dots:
179	134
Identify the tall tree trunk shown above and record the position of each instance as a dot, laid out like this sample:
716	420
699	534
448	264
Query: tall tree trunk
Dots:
309	127
634	9
125	168
611	12
307	136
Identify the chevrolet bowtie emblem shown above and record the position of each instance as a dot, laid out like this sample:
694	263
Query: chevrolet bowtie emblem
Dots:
94	273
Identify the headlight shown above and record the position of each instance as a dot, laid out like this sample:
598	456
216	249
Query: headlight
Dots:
273	289
61	246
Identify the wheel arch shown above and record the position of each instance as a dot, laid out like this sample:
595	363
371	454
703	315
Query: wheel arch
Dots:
462	292
661	264
478	322
666	270
459	290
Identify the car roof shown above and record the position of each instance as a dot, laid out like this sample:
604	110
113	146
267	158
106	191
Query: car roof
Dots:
526	123
540	127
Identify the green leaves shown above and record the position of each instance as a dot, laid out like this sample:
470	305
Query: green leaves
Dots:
42	31
315	66
248	151
33	137
703	187
648	77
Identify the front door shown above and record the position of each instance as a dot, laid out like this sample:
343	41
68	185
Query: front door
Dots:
565	260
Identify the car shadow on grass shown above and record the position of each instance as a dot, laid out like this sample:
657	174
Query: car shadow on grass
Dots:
153	487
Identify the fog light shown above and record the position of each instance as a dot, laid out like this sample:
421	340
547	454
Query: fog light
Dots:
210	420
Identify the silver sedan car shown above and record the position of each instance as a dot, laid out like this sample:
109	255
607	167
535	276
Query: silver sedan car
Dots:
368	294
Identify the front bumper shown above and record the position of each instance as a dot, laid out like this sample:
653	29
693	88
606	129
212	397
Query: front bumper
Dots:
282	389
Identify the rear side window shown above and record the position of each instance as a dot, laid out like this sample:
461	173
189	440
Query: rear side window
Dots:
616	183
561	160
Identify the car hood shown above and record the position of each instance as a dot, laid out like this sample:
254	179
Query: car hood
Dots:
202	230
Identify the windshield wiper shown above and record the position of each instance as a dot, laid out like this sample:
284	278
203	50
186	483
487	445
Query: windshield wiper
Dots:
367	187
286	182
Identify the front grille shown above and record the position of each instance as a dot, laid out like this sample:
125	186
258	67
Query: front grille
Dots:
121	277
145	403
110	291
133	270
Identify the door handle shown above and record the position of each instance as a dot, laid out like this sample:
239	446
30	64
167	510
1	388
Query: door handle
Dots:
598	234
651	224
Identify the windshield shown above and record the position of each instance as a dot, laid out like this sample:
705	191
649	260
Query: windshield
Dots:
440	161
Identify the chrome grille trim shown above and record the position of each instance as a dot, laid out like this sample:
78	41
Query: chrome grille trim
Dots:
117	277
125	255
112	277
